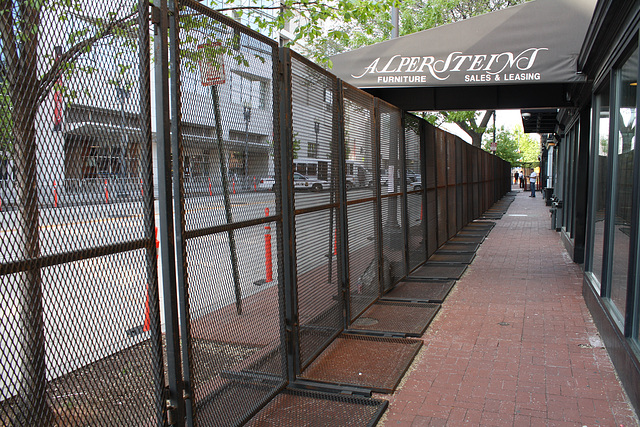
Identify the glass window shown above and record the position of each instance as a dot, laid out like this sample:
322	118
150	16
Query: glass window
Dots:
600	177
623	185
248	90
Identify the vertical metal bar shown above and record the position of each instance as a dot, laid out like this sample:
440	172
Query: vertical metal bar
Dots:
276	87
284	184
174	402
437	184
178	208
378	190
403	179
459	180
445	159
343	241
149	207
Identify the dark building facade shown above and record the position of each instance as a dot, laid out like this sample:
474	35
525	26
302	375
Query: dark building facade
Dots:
598	175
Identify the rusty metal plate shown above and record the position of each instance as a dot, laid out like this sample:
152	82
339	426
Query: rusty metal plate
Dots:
474	233
449	258
478	224
438	271
467	239
374	363
396	318
222	402
421	291
455	247
313	408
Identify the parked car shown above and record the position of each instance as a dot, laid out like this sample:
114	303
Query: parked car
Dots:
414	186
300	182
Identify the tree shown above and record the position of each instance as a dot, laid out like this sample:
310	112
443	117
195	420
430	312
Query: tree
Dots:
309	18
516	147
29	75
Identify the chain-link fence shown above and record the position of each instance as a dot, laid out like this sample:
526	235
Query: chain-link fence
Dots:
188	260
80	338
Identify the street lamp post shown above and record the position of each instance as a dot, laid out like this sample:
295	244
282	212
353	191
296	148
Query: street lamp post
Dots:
247	118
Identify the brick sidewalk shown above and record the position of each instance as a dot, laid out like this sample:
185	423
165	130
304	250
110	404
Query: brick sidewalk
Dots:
514	344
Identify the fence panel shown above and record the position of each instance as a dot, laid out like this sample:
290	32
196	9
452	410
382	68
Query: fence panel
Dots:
432	200
441	195
80	324
362	210
460	171
393	241
452	207
228	99
416	220
318	212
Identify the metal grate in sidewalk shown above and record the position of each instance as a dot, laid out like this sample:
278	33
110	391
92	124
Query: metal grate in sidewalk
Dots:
396	318
420	291
473	233
456	248
480	225
313	408
467	239
438	271
374	363
449	258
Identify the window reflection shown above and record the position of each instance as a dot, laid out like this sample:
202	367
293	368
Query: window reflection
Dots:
623	190
601	177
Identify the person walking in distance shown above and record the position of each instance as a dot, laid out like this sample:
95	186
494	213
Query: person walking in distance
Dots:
532	183
521	180
516	175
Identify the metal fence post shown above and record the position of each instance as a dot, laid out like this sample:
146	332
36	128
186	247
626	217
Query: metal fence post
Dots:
149	205
174	400
284	185
378	188
403	180
423	174
178	209
343	260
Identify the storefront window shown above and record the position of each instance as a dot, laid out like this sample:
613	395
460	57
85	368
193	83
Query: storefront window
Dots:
623	188
600	177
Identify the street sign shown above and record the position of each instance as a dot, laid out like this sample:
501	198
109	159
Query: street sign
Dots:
211	64
494	146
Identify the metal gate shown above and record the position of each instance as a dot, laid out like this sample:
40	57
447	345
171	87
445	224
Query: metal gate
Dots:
225	98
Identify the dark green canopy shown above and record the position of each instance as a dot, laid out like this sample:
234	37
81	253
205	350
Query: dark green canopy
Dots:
522	56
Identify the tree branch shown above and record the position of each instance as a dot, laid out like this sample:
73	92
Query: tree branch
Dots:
305	4
9	47
485	118
51	77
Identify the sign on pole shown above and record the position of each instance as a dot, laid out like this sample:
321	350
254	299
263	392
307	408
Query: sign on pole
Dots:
494	146
211	64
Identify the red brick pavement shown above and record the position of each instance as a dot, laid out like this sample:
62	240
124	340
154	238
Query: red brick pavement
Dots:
514	344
